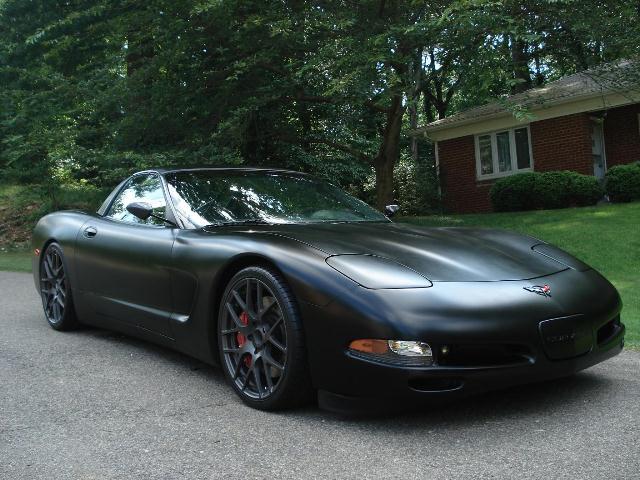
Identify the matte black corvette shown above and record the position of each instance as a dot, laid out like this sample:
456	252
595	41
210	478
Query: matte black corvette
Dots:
294	287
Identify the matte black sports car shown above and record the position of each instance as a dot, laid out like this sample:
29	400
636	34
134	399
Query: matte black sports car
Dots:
295	287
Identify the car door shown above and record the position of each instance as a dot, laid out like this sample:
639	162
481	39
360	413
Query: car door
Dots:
123	262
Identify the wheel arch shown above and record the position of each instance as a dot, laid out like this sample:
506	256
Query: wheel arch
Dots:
38	259
62	228
222	279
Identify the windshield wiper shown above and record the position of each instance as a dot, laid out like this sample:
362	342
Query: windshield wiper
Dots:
250	221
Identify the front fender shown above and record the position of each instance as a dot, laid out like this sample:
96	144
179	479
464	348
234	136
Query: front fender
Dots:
61	227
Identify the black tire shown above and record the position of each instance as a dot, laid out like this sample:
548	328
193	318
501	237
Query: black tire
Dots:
251	341
55	289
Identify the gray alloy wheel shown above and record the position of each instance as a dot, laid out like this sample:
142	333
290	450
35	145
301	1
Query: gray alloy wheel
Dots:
55	290
261	341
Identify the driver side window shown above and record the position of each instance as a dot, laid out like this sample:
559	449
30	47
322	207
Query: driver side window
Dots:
141	188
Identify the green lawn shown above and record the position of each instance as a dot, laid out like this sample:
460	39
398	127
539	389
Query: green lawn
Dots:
606	237
18	261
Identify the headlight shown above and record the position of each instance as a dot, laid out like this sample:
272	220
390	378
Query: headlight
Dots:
410	349
374	272
402	352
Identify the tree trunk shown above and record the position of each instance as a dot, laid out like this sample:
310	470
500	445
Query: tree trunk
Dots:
388	153
413	104
520	62
413	125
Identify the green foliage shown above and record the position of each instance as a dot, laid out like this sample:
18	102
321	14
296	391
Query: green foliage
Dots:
584	190
416	187
91	90
514	193
548	190
623	182
22	205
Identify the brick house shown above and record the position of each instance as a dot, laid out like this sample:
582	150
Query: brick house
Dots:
585	122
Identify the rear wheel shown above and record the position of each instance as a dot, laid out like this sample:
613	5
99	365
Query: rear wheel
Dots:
261	341
55	290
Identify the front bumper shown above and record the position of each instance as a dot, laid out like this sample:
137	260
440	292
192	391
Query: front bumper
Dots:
410	386
490	314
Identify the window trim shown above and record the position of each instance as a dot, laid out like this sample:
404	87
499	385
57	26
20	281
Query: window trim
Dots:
124	185
494	153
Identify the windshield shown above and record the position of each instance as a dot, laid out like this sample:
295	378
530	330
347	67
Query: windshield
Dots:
210	197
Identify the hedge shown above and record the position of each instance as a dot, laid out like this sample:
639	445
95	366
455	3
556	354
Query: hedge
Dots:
530	191
623	183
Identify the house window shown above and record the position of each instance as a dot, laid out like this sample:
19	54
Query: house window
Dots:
504	152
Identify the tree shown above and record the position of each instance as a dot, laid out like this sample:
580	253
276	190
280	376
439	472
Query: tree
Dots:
92	89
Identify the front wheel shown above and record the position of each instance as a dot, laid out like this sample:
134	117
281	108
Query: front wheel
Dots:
261	341
55	290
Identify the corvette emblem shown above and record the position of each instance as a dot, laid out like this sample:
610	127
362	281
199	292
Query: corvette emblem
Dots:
544	290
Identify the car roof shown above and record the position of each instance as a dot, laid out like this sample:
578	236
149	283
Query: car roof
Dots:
162	171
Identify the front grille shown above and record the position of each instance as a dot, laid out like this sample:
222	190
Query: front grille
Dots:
484	355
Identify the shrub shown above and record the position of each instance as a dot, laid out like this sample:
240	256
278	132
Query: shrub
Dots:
514	193
623	182
528	191
585	190
552	189
416	187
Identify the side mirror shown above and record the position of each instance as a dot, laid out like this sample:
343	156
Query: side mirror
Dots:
142	210
391	210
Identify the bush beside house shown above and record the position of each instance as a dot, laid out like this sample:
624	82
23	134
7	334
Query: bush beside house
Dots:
533	190
623	182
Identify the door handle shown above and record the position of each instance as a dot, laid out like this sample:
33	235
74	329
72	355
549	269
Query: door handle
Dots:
90	232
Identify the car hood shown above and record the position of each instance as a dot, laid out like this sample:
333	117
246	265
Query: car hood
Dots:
440	254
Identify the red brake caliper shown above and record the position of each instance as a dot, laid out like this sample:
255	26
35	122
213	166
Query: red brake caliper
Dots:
244	320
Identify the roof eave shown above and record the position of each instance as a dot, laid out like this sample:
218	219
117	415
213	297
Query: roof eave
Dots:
554	107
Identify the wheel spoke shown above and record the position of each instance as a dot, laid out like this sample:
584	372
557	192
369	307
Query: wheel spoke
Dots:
273	327
230	331
272	362
267	374
258	301
256	376
47	269
47	302
238	299
268	307
236	372
247	296
245	379
234	316
277	344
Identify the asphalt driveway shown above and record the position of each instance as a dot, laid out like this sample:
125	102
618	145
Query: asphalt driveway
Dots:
96	405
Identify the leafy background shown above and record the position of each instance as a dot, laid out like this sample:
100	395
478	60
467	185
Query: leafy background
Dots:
91	90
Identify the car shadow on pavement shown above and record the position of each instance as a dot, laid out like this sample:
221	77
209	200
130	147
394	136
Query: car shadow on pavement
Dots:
532	400
165	354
